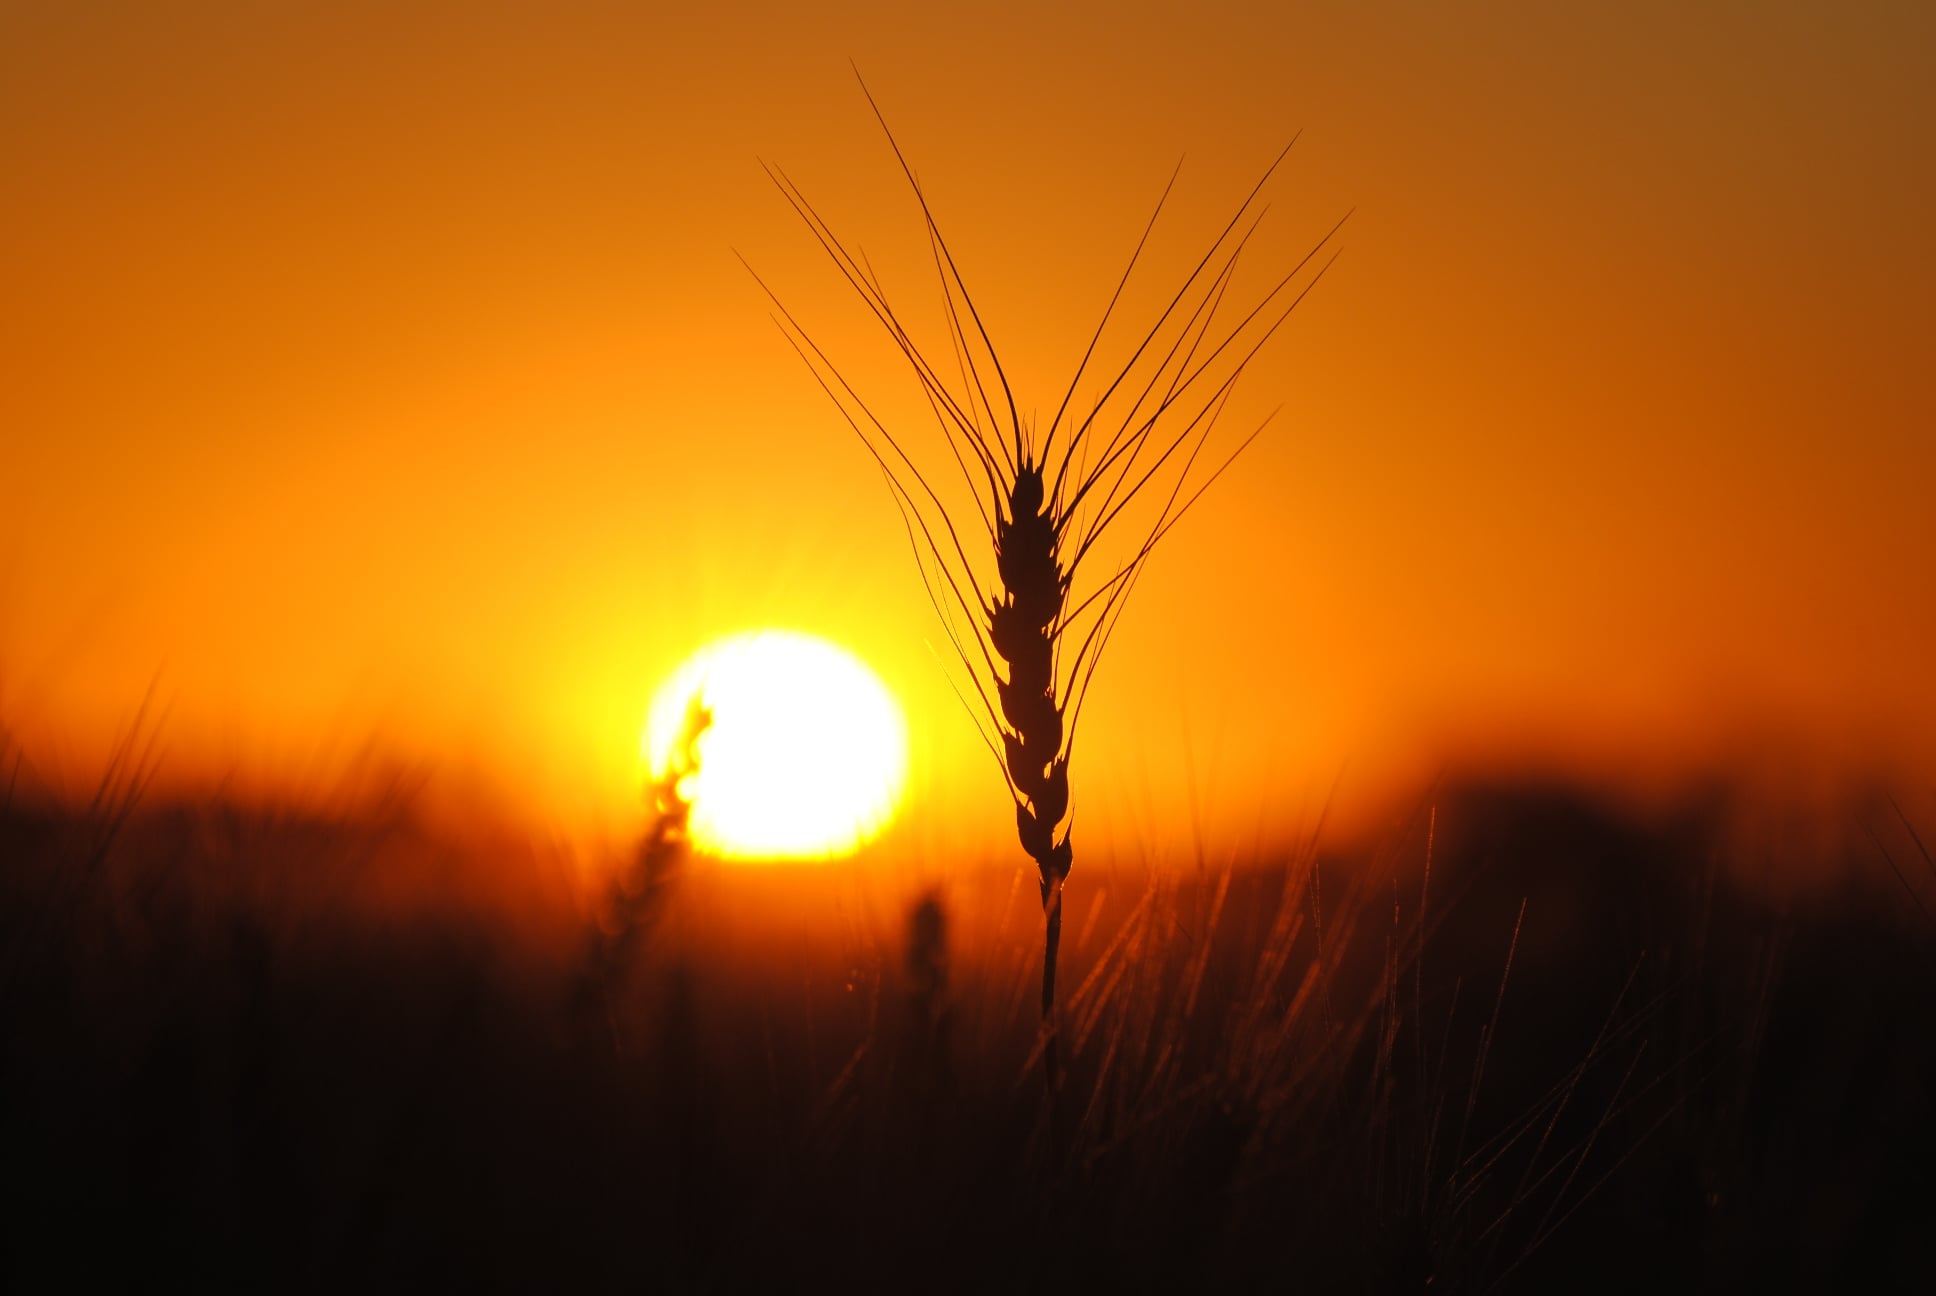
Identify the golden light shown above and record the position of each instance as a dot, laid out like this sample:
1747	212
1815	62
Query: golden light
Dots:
806	753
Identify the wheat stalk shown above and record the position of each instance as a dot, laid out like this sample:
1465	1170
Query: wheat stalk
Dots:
1029	636
632	903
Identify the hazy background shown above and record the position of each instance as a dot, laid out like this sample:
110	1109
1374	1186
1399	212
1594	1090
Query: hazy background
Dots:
372	373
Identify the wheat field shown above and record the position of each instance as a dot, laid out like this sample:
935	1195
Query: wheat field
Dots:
1520	1041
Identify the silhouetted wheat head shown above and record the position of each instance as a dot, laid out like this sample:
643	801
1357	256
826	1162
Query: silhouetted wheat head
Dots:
1029	637
632	903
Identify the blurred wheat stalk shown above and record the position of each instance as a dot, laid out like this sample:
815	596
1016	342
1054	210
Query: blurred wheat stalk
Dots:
632	904
1028	636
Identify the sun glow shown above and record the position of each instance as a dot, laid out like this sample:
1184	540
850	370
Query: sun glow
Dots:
805	756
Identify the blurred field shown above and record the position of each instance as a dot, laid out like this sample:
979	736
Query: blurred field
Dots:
255	1048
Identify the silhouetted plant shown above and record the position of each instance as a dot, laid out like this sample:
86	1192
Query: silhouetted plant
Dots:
635	898
1029	637
929	1018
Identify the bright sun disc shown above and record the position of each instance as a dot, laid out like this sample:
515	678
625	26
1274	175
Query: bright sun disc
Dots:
806	754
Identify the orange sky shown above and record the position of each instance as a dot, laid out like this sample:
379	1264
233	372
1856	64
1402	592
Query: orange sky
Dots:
371	374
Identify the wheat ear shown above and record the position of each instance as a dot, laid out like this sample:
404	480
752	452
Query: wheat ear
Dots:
1044	512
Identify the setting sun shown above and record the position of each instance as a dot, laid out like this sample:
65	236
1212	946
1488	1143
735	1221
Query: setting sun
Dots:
805	755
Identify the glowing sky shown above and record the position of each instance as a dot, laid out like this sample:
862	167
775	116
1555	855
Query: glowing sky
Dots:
372	372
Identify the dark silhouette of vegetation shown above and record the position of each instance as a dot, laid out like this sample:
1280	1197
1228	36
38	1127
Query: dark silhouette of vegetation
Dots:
1526	1043
638	894
1044	504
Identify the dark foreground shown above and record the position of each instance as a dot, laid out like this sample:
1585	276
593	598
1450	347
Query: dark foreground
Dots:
246	1050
